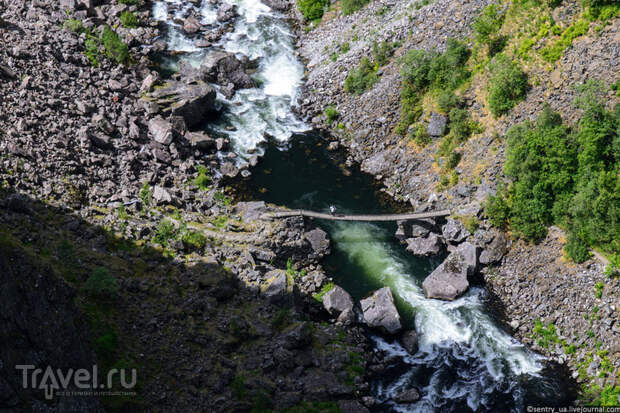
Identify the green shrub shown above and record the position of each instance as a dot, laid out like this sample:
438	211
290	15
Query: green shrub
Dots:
165	232
332	114
576	249
487	27
105	346
507	86
461	124
146	194
74	25
419	134
312	9
115	49
564	177
351	6
382	52
91	48
422	71
194	240
130	2
327	287
101	284
554	51
129	19
203	179
446	100
361	78
453	159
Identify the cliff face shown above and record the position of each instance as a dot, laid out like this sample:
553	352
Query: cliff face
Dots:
40	326
534	281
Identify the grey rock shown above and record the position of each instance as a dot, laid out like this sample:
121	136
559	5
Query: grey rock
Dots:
408	396
251	211
161	130
275	288
161	196
226	12
223	68
454	231
431	245
318	241
337	300
380	312
192	101
449	280
351	406
409	341
437	125
494	252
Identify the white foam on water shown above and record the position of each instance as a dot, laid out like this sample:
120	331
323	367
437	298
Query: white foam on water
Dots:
460	328
258	34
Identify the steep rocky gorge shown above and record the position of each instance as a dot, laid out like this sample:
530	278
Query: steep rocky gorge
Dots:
534	281
216	307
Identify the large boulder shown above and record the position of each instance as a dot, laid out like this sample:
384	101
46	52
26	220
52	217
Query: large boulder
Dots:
192	101
415	229
380	312
318	241
225	68
431	245
449	280
408	396
337	300
437	125
454	231
276	289
161	130
495	250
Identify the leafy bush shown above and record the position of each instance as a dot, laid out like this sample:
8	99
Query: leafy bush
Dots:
165	232
129	19
331	113
453	159
554	51
203	179
351	6
115	49
507	86
130	2
146	195
446	100
419	134
422	71
487	27
576	249
382	52
101	284
327	287
73	25
361	78
194	240
312	9
565	177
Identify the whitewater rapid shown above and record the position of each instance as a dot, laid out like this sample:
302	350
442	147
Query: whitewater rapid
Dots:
251	115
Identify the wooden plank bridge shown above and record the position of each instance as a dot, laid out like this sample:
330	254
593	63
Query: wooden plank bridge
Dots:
366	218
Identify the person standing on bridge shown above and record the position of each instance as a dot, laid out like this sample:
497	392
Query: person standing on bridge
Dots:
332	210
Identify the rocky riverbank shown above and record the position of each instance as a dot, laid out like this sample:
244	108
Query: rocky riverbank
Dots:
105	171
567	311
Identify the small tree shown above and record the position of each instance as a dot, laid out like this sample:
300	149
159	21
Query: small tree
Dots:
101	284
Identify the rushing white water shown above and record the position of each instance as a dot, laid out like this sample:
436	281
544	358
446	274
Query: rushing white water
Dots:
259	33
449	332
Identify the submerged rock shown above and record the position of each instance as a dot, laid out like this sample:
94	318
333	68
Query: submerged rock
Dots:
449	280
380	312
409	341
408	396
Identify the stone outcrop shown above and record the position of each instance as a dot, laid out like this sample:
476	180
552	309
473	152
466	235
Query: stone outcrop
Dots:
337	300
449	280
424	247
379	311
225	69
193	101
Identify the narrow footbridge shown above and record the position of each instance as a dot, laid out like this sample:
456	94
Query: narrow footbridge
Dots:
368	218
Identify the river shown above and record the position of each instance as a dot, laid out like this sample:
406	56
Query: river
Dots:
466	360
